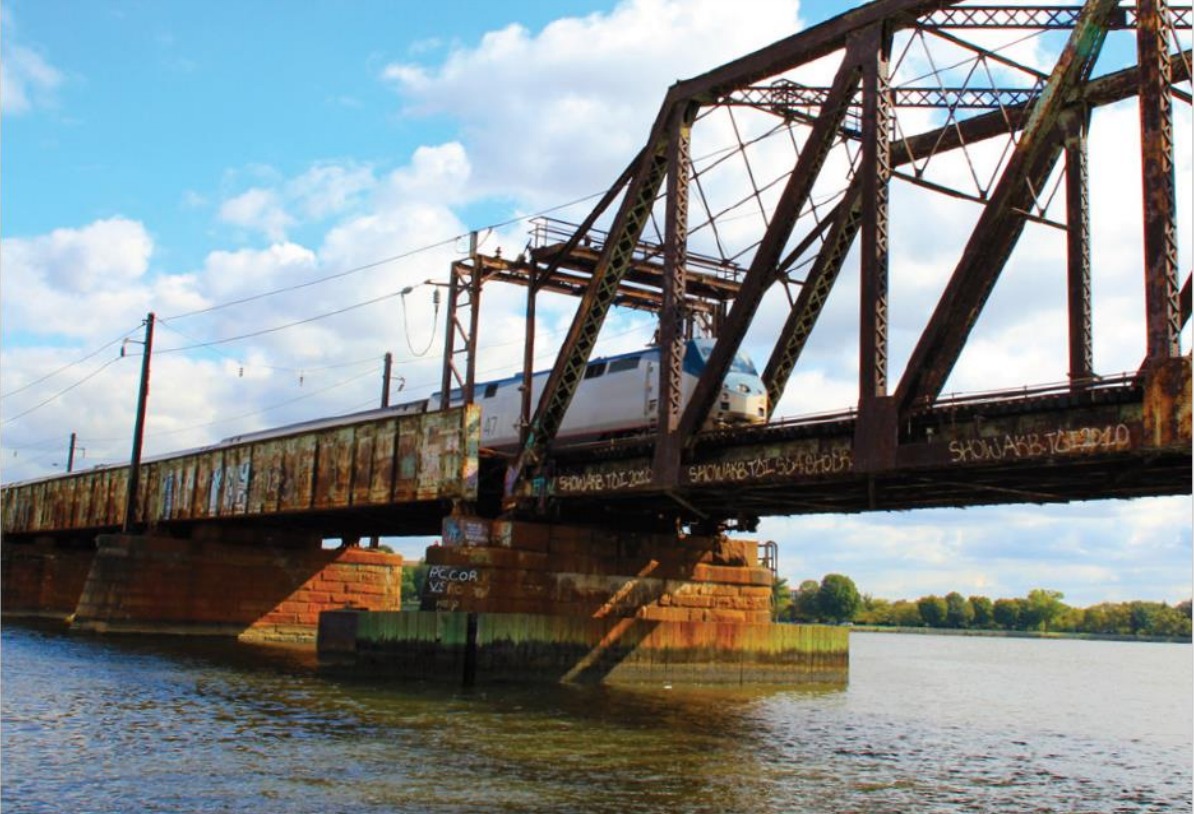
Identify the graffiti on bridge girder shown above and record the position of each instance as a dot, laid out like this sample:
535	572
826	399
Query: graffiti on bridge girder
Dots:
1080	441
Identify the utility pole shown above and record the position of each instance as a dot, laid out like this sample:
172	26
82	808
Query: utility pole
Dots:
70	456
387	368
130	507
385	379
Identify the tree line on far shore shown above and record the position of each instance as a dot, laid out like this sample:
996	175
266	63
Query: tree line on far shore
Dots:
836	599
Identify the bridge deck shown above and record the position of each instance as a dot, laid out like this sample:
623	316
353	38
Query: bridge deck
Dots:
401	474
1120	439
389	474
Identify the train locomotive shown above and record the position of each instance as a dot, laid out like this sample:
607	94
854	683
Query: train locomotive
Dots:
617	397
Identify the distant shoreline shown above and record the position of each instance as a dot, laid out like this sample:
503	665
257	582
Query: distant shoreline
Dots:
1017	634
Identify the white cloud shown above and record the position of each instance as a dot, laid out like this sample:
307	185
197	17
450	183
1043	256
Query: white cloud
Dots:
257	209
27	80
73	281
555	114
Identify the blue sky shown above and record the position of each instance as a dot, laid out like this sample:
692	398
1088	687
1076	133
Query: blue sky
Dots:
169	156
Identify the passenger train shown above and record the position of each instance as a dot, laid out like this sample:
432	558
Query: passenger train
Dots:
618	396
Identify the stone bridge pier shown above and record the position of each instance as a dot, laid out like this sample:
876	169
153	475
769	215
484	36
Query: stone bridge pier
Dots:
226	581
514	600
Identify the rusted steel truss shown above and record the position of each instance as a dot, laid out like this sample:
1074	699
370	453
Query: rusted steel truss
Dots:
847	145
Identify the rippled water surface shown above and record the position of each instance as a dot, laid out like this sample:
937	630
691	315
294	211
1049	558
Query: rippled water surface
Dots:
926	724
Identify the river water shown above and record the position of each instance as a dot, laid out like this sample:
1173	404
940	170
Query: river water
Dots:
925	724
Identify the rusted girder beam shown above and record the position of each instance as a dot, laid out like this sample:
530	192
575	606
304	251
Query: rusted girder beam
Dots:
1038	17
802	48
845	218
785	97
762	268
1077	196
668	443
1160	194
1001	222
616	258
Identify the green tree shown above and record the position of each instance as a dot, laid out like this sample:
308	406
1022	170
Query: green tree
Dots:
874	611
932	610
1171	622
804	603
958	612
905	613
781	598
1041	608
838	598
984	611
1008	613
413	577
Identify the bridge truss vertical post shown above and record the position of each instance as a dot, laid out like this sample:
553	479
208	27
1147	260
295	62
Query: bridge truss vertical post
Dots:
875	431
668	443
528	356
1075	124
460	333
876	177
1160	206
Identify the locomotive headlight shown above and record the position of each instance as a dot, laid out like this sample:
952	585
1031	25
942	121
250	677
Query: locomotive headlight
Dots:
744	388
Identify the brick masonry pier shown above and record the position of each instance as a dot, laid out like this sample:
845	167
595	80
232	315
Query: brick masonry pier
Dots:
508	600
210	584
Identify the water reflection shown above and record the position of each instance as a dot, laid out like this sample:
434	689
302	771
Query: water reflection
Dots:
122	723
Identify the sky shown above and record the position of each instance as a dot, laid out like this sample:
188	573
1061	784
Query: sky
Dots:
269	177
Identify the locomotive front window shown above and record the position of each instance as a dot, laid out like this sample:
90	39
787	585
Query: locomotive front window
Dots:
594	370
618	365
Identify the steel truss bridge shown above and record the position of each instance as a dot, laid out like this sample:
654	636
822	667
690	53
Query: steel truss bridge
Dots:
757	183
668	238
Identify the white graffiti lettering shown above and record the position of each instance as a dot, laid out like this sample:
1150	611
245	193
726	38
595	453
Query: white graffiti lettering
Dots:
449	579
1034	445
832	462
603	481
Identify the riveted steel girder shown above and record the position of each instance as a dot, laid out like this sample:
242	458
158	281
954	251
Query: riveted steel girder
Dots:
1160	204
846	217
565	377
1002	220
762	269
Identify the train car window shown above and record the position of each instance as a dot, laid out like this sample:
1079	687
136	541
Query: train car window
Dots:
618	365
491	390
594	370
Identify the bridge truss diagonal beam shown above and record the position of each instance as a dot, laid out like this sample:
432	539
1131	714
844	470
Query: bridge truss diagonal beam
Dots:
616	258
845	219
858	123
762	270
1002	220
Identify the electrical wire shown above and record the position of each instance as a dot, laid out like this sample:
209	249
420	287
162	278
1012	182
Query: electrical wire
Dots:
69	365
86	378
434	322
284	326
259	365
317	281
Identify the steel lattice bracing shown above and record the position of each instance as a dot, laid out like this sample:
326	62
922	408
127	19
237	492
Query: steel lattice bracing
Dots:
902	91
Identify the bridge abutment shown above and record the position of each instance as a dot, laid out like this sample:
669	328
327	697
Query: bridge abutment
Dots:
216	583
511	600
43	578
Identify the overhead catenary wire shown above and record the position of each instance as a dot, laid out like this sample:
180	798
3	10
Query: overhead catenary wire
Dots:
376	263
62	392
69	365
